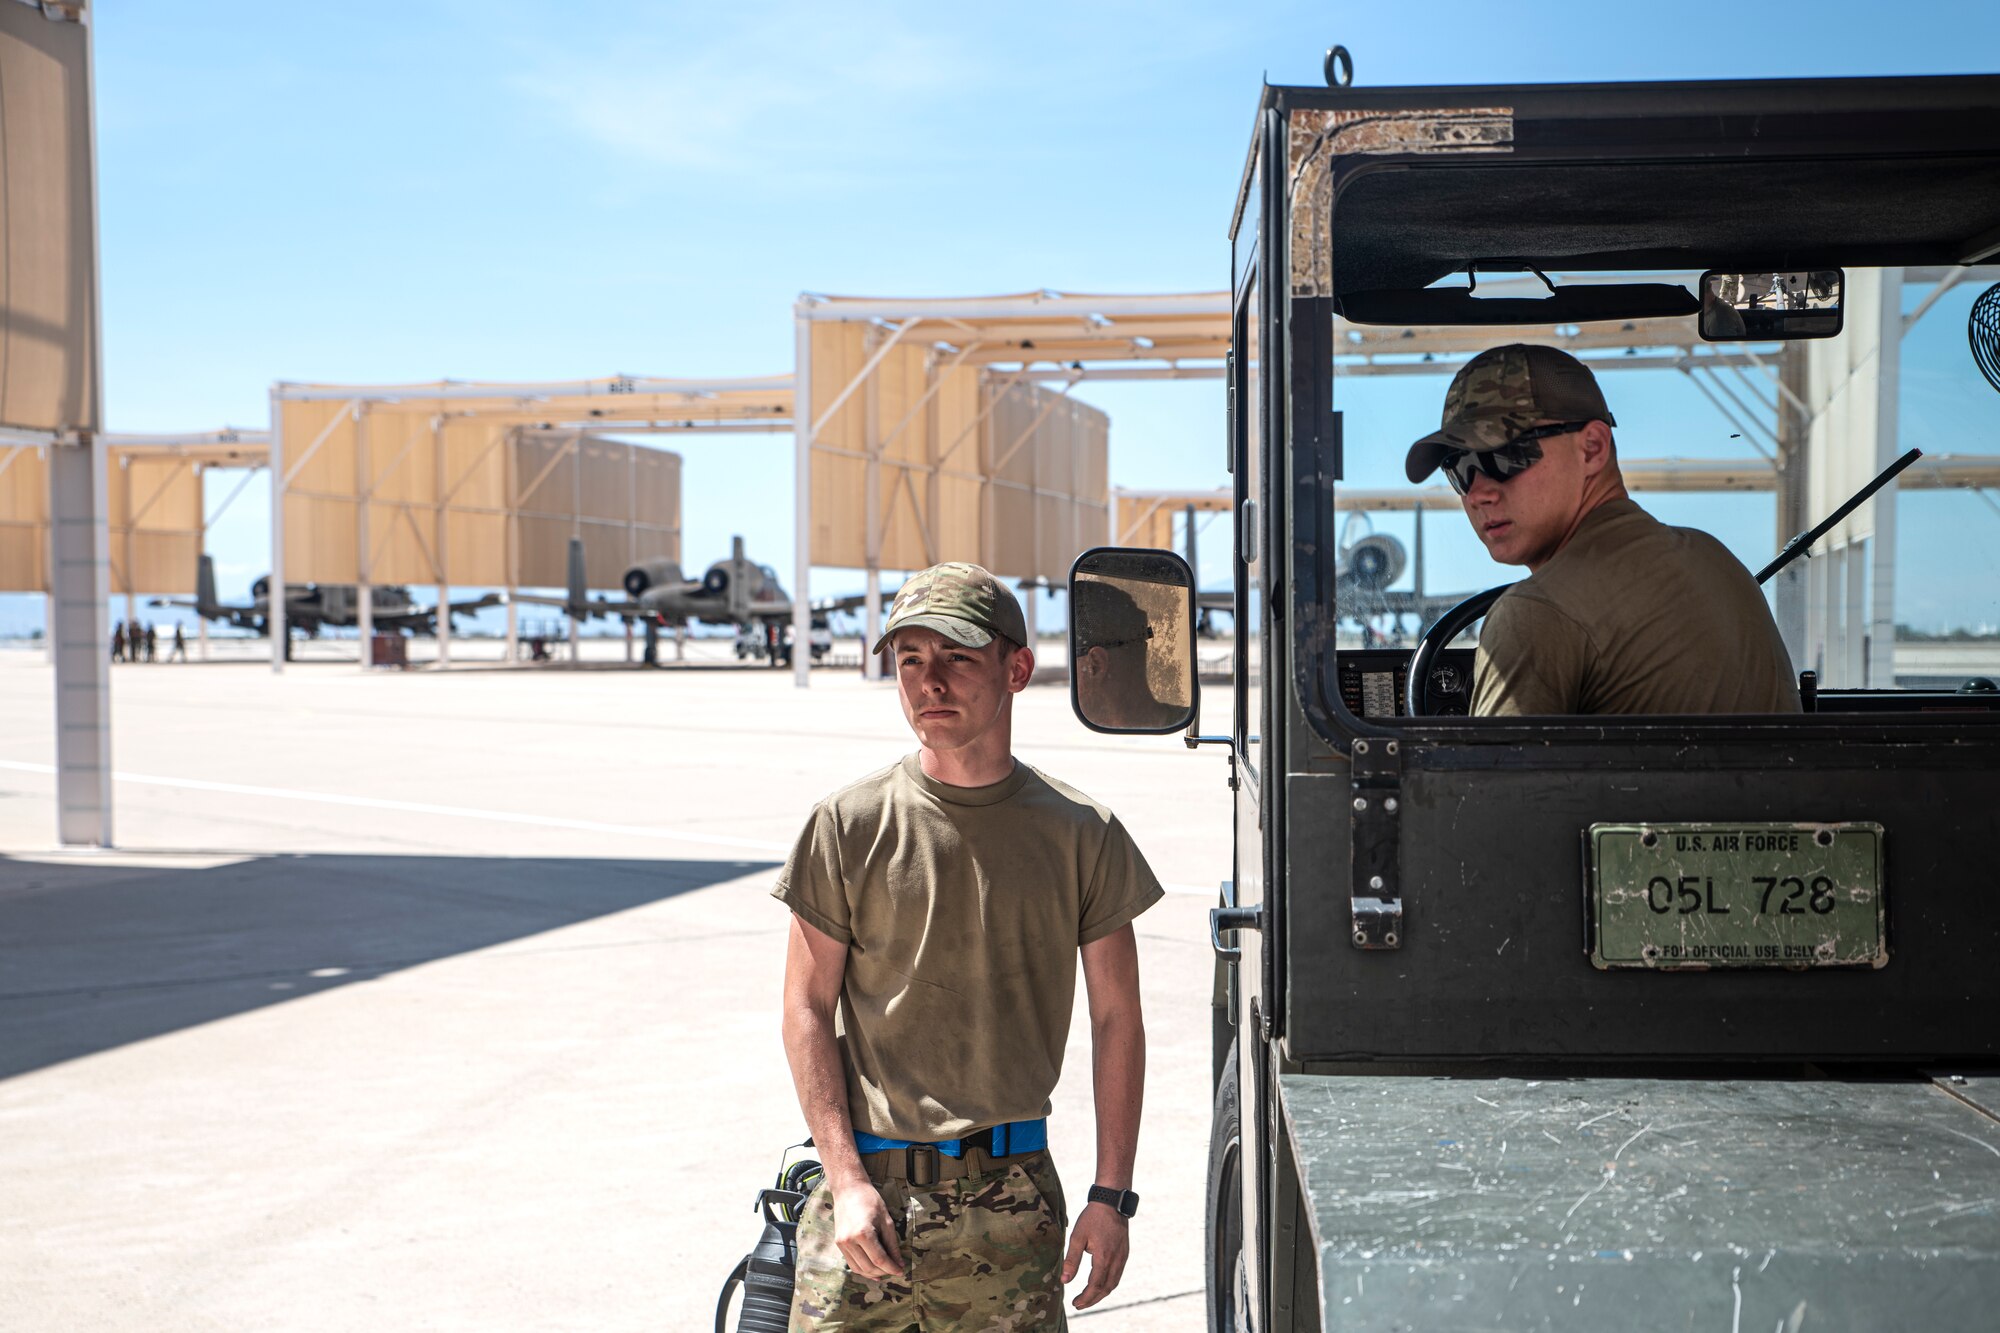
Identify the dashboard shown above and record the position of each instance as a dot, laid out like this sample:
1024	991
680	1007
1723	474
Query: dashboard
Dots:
1372	682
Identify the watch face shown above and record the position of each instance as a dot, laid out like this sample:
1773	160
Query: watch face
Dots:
1126	1202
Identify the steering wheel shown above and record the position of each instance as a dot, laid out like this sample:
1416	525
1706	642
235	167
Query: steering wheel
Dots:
1417	689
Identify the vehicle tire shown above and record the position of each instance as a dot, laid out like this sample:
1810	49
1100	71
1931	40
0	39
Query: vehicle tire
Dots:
1224	1247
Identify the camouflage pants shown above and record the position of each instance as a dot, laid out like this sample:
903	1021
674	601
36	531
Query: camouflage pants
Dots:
982	1254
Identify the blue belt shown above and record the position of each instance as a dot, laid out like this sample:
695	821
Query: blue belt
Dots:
1017	1136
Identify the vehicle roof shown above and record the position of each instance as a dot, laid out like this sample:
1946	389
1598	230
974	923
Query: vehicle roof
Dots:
1784	173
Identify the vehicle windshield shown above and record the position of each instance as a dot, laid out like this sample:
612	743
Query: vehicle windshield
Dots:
1750	441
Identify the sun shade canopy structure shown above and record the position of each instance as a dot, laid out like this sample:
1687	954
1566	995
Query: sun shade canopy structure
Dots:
484	483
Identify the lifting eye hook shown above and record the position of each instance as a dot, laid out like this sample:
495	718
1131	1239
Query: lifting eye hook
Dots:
1339	68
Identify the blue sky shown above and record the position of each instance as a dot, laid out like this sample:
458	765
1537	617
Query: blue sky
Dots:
491	190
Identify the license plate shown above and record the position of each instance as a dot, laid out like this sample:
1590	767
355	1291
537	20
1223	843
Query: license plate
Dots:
1697	896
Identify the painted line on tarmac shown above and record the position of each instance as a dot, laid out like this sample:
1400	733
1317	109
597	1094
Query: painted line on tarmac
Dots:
426	808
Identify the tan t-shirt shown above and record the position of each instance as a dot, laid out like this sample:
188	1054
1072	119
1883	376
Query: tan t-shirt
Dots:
1633	616
962	909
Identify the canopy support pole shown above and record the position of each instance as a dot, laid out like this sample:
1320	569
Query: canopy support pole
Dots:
79	629
802	439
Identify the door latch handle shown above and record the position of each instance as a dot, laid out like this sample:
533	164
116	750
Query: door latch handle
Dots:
1231	919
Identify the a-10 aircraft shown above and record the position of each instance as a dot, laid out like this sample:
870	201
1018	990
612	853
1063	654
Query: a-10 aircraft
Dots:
310	607
735	592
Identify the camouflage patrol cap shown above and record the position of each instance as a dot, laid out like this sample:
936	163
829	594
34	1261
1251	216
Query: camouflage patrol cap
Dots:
963	602
1504	391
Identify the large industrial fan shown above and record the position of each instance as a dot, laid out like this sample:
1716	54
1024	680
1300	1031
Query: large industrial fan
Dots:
1983	328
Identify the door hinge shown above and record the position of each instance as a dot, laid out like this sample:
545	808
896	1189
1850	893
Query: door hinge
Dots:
1376	891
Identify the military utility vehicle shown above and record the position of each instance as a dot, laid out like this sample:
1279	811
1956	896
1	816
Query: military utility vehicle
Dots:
1606	1022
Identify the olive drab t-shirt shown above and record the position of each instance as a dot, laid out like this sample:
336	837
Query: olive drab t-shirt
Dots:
1633	616
962	909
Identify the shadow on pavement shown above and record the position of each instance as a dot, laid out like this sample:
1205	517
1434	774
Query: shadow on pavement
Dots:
93	956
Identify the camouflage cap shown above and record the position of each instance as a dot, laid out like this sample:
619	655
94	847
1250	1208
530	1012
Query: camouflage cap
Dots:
1504	391
963	602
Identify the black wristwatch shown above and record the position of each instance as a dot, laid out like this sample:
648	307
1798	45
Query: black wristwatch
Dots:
1125	1201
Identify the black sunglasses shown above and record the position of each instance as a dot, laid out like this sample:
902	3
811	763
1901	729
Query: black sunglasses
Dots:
1509	460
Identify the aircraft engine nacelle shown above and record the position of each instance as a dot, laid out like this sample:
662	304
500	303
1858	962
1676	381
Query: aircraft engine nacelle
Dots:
651	574
1375	562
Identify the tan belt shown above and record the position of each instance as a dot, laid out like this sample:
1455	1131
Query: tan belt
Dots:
925	1165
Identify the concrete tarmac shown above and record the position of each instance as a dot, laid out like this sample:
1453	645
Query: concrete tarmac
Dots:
448	1000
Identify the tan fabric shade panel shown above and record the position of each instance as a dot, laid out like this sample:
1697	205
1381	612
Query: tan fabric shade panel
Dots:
24	525
153	507
48	298
401	493
624	501
1047	494
155	510
922	418
968	464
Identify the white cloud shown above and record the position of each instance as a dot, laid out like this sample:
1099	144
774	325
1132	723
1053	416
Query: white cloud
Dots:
808	89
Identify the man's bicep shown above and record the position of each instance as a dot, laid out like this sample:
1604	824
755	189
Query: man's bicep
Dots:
815	964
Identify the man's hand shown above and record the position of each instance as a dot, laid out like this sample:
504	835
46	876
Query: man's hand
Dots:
865	1233
1103	1234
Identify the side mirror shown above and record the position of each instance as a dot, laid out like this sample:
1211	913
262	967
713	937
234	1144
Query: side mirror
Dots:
1131	641
1759	307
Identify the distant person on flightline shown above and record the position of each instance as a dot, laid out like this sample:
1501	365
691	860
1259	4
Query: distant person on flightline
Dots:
180	644
939	909
118	642
1619	613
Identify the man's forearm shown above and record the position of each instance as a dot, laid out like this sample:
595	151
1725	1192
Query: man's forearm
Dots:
821	1082
1118	1073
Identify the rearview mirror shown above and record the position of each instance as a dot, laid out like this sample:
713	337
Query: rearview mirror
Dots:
1131	641
1755	307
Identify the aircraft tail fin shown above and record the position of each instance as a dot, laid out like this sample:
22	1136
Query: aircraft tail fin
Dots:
206	604
579	591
